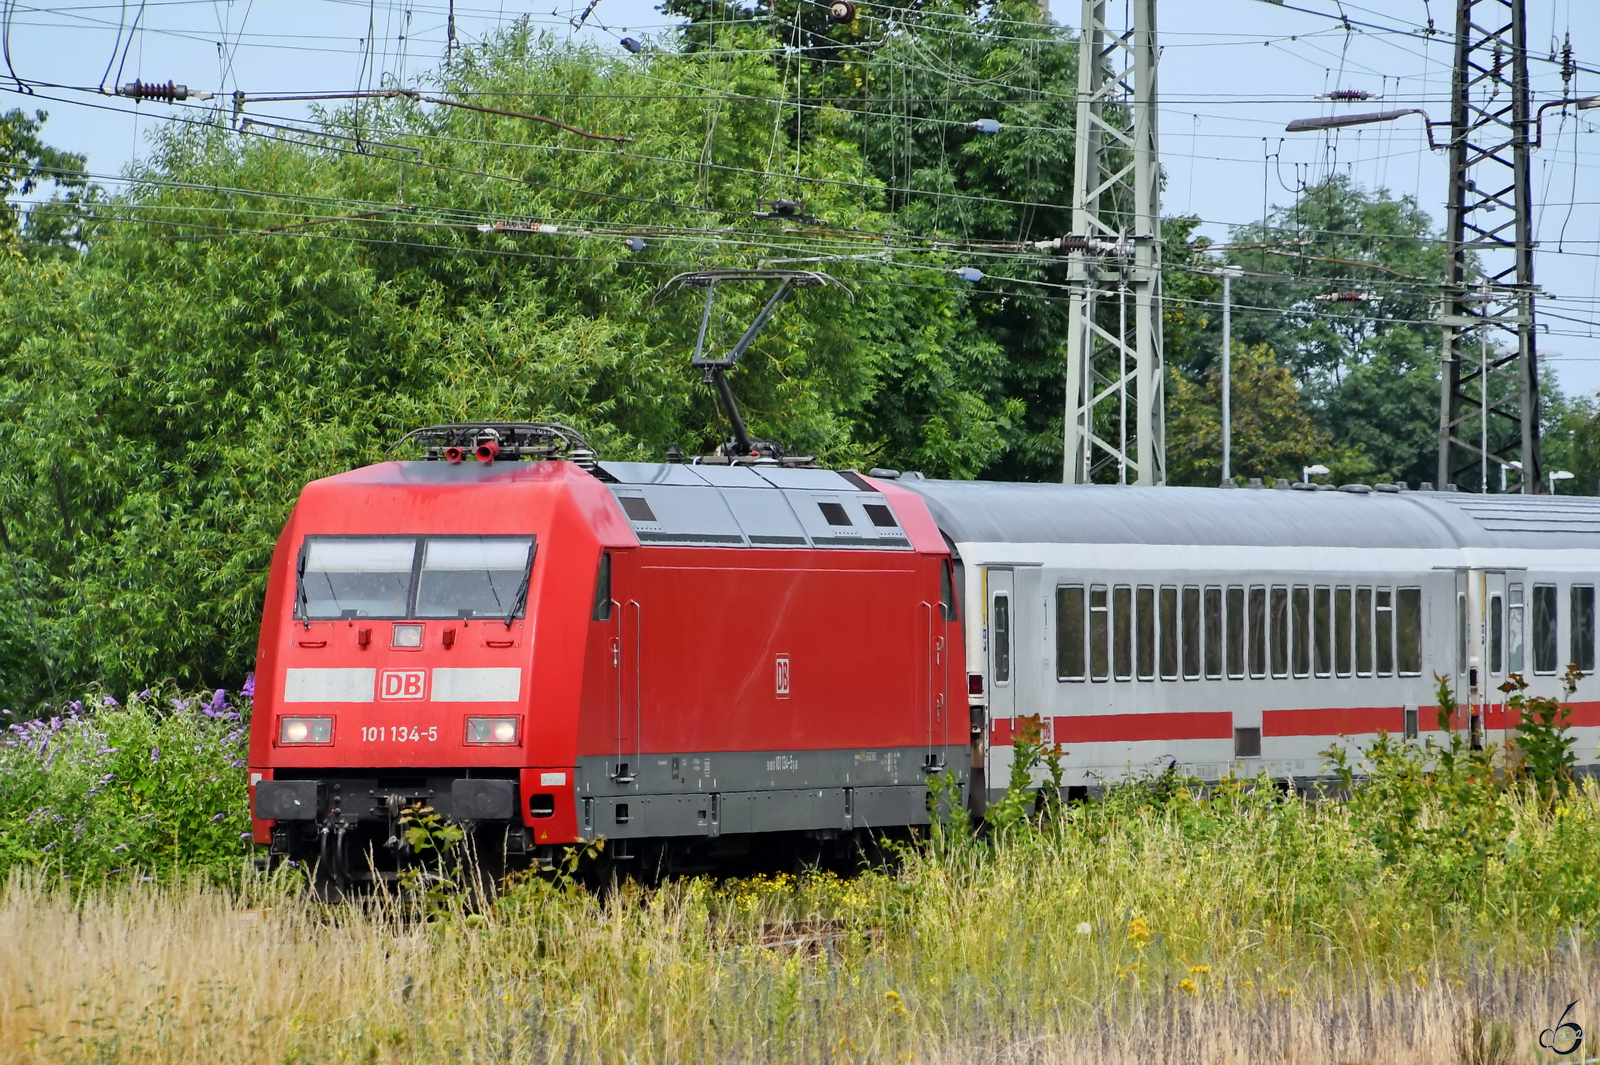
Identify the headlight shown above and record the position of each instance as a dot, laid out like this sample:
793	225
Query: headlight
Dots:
305	730
492	729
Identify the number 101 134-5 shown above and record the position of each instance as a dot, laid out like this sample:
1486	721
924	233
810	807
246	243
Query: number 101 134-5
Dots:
399	734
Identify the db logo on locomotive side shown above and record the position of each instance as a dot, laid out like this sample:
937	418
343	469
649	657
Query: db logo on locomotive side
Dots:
781	677
403	684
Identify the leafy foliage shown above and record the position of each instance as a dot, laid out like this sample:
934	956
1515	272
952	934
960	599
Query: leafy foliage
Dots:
150	788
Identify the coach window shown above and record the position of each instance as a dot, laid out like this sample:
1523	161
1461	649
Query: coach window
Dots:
1069	632
1236	619
1122	622
1544	628
1497	634
1385	632
1002	639
1191	632
1408	631
1213	633
1099	633
1258	632
1341	631
1363	632
1169	632
1280	631
1145	613
1322	643
1582	627
1301	599
1514	612
1461	632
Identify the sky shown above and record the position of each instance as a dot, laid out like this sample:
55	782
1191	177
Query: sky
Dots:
1233	73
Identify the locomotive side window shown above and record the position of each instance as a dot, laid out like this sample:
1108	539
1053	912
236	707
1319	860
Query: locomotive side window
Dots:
1544	628
474	576
947	594
1069	632
1322	622
1497	634
602	589
1385	632
1582	625
1122	620
1408	631
1461	632
1301	598
1280	631
1002	639
1363	632
356	576
1191	632
1514	630
835	514
881	516
1169	632
1236	631
1146	614
1341	631
1099	633
1213	633
1258	631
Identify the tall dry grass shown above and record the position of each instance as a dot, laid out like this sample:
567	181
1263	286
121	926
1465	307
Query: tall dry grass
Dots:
1232	926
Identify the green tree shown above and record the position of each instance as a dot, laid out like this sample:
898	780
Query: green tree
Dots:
27	164
1341	286
1273	434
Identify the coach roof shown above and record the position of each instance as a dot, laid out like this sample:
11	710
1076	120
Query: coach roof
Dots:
1010	512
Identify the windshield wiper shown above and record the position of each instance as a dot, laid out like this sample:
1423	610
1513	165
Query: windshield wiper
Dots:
521	598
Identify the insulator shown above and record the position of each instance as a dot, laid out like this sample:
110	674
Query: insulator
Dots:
969	273
631	45
986	125
169	92
1349	95
842	11
634	243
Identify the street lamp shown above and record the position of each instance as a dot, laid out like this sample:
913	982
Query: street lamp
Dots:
1308	472
1558	475
1308	125
1227	273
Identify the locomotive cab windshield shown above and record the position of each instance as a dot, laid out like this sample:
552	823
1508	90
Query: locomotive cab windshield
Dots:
414	577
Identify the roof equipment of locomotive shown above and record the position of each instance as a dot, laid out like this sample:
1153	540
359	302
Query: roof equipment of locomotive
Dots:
740	444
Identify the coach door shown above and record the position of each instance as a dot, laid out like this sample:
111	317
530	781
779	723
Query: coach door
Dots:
999	642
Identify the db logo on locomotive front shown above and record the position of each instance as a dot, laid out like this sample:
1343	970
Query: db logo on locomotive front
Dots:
400	684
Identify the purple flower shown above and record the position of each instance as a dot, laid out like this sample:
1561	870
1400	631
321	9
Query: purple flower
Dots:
155	755
219	700
119	847
108	701
244	835
248	689
143	695
218	817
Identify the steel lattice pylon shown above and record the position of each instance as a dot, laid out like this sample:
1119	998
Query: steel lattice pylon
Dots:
1489	402
1115	389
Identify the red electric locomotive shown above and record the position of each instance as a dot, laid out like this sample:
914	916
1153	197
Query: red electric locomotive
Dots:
546	649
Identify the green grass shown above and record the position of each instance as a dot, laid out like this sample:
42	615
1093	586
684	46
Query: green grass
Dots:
1437	914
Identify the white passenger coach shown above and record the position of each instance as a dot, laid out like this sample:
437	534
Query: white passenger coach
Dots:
1247	631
